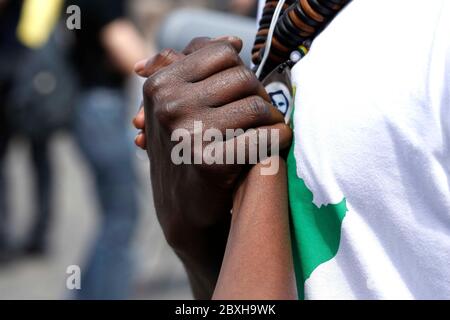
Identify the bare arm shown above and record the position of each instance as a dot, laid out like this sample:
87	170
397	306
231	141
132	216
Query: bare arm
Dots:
197	224
124	44
258	261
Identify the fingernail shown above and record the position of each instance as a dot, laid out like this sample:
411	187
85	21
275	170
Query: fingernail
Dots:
135	120
139	66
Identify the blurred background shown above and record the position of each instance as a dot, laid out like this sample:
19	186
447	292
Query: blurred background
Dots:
73	188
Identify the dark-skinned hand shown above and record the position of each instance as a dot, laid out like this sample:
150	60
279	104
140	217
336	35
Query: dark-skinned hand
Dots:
207	82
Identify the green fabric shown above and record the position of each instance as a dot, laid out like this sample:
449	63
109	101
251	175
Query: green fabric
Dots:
316	232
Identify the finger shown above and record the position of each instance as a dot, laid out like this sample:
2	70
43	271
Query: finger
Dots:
147	67
163	59
203	63
256	145
139	119
284	139
278	135
141	141
250	147
227	86
199	43
139	66
250	112
196	44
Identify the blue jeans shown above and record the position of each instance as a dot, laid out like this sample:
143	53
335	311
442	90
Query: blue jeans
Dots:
43	215
100	128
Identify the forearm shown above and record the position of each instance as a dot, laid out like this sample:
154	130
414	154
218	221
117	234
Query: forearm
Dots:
124	45
258	261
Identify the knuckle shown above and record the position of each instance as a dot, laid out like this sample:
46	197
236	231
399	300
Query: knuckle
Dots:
246	76
259	108
157	97
165	113
229	52
152	86
197	41
166	52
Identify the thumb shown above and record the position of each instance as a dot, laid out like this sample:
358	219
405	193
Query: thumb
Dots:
166	57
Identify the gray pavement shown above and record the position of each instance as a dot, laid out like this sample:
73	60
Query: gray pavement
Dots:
159	273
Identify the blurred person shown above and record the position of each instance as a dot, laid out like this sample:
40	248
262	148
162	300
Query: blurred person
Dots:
18	48
366	177
105	51
239	7
9	47
244	7
183	24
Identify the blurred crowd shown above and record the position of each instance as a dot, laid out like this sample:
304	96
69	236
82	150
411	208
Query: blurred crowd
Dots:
55	79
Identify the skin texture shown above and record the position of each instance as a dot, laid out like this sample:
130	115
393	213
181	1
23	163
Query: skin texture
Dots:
206	82
258	259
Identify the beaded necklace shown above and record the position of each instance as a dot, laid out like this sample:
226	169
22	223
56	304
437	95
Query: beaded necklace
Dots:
287	29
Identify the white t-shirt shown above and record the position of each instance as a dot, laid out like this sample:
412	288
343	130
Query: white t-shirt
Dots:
369	173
